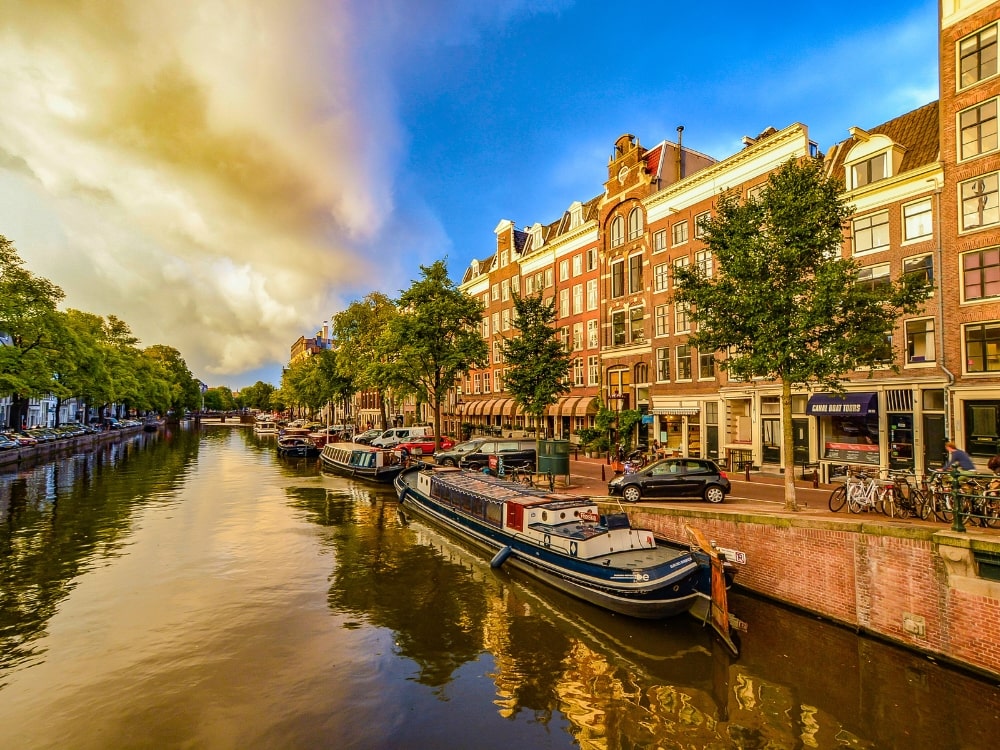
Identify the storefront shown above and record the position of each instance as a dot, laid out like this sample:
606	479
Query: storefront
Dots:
848	430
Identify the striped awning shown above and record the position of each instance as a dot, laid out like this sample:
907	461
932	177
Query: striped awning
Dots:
586	405
501	407
676	411
566	406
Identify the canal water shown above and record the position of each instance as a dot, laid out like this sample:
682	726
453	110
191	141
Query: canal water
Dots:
190	589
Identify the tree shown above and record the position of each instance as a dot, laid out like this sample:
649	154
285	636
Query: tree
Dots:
358	331
257	396
539	363
184	389
781	303
29	332
434	340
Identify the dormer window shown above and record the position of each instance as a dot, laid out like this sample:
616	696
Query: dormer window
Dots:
536	236
869	171
575	215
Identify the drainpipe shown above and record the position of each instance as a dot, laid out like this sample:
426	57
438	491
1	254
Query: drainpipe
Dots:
940	333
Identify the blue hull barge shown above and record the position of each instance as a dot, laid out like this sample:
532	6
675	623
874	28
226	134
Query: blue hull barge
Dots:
564	541
361	462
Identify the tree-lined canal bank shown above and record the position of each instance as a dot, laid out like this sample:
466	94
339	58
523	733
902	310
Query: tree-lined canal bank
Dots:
189	588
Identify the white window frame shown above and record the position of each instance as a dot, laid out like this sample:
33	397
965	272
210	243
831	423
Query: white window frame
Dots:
978	126
577	299
679	233
929	338
970	194
660	241
564	269
877	230
960	79
592	294
661	277
661	320
913	215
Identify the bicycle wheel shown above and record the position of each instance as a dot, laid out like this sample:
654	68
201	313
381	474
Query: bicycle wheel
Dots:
991	511
942	505
838	498
921	504
889	504
857	499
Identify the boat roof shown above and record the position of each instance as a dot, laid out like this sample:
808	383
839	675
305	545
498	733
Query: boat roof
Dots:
495	490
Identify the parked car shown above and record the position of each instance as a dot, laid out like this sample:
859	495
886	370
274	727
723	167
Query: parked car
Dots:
515	453
8	443
366	437
673	477
423	446
393	437
23	438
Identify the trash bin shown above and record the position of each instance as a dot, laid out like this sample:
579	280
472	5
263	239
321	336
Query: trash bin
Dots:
553	457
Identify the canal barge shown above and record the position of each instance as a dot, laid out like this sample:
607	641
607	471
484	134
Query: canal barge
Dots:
564	541
361	462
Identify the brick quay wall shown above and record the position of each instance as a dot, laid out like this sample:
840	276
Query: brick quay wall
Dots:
915	585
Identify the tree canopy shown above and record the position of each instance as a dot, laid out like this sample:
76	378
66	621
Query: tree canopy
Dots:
781	303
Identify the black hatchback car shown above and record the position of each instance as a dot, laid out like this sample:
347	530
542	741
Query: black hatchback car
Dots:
673	477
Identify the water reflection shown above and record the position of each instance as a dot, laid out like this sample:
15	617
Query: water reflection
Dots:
193	589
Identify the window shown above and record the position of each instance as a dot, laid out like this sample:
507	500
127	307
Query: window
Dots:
883	351
577	336
977	56
874	276
982	347
917	224
660	277
505	290
699	223
618	278
871	232
660	241
637	331
868	171
592	294
592	259
563	270
593	370
565	339
504	255
979	202
703	258
681	320
529	286
706	365
506	319
977	128
684	362
920	340
618	328
663	364
635	274
549	281
635	224
486	327
577	299
476	388
593	333
577	265
498	380
578	371
497	352
496	292
486	299
756	191
515	284
564	308
981	274
680	263
486	382
617	231
660	319
680	232
496	322
921	266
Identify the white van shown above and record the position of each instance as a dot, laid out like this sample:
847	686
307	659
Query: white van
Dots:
397	435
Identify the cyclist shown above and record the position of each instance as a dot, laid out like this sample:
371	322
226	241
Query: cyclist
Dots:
957	457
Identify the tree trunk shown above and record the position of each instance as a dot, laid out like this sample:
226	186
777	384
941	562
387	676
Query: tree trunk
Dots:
788	445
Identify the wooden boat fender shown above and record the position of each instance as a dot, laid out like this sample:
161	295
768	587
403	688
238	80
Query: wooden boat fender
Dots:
500	557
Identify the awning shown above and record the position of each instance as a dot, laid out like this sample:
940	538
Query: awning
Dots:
676	411
849	405
501	407
488	407
585	406
565	406
462	408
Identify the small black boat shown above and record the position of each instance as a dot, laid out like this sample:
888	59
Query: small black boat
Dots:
361	462
297	446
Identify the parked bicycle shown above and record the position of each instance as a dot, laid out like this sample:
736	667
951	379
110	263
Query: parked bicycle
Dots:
858	493
905	499
522	475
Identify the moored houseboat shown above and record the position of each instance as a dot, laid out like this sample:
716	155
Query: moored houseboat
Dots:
296	445
361	461
566	542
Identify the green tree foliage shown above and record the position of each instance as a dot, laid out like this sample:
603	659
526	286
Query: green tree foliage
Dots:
32	327
539	363
781	302
183	389
434	340
358	331
257	396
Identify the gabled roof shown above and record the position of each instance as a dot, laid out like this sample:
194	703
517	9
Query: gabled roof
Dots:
916	131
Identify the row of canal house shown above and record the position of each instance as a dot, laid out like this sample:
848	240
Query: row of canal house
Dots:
925	190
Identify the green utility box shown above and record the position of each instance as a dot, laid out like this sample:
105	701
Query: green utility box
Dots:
553	457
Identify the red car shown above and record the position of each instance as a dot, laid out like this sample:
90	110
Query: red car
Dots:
423	446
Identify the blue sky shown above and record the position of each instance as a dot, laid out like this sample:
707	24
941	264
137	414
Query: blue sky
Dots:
224	177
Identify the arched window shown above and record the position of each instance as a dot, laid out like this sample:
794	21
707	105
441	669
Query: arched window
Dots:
635	224
617	231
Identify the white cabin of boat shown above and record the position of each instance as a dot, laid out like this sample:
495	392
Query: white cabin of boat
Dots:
567	523
265	427
359	456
